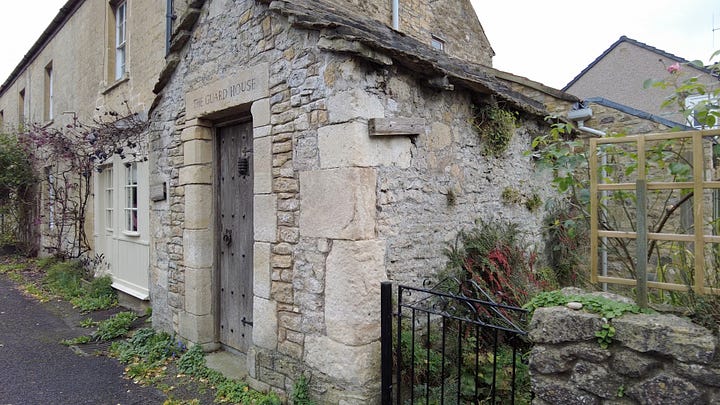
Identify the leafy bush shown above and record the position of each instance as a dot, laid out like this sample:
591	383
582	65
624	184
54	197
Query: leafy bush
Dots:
493	256
301	392
114	327
67	280
496	126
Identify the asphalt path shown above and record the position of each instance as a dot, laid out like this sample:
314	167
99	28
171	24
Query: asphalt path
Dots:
36	369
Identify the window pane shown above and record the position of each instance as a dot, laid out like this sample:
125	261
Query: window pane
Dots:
131	198
120	37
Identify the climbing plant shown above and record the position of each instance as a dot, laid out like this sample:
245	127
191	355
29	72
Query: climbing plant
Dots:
566	156
64	160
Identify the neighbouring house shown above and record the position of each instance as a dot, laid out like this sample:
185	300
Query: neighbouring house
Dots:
94	57
617	77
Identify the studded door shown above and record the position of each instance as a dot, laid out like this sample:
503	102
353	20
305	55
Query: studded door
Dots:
236	236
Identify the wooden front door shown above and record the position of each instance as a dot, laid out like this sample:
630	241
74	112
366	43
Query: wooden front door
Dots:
236	236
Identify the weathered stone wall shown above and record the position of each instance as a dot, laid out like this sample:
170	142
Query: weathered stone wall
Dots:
453	21
653	359
342	210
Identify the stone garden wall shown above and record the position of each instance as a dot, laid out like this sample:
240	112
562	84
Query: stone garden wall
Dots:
653	359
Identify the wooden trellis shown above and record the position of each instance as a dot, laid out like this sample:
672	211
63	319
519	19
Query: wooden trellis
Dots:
643	236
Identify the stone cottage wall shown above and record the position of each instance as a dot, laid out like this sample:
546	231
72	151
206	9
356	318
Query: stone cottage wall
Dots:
653	359
339	210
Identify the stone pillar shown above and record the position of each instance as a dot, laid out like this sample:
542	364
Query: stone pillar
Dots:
197	322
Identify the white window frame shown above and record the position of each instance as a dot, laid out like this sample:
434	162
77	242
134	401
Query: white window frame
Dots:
108	195
131	226
120	39
50	78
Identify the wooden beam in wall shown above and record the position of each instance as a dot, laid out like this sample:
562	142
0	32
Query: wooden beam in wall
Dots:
396	126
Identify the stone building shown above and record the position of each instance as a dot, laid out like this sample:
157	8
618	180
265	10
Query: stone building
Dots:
96	56
309	152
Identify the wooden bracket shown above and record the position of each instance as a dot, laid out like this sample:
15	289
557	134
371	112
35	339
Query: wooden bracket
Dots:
396	126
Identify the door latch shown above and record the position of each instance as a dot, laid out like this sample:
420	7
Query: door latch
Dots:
246	322
227	237
243	166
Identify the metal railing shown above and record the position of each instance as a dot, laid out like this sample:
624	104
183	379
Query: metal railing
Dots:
443	348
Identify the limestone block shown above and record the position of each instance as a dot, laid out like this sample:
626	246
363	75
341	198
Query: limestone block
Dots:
354	272
338	203
551	391
198	291
261	132
440	136
264	323
666	389
262	165
261	270
265	218
195	174
560	324
197	328
597	379
667	334
198	248
352	104
349	145
260	111
359	365
198	206
196	132
197	151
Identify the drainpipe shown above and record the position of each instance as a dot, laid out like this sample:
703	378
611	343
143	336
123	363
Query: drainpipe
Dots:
579	116
169	17
396	14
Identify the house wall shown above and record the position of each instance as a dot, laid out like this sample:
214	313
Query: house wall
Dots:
336	210
81	52
619	77
453	21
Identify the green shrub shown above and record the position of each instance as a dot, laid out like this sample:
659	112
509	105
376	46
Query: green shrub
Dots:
493	256
66	279
114	327
496	126
301	392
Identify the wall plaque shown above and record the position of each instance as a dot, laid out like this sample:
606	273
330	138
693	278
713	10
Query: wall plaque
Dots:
242	87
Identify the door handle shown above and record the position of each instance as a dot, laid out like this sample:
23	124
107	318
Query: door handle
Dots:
227	237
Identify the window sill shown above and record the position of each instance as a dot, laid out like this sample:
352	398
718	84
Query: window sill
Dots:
116	83
133	234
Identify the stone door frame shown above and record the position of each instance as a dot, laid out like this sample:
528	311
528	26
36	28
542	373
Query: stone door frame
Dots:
207	108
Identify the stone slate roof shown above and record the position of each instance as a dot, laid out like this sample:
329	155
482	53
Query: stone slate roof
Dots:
345	31
643	45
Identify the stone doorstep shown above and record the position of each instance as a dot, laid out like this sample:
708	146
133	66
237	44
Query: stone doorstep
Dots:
231	365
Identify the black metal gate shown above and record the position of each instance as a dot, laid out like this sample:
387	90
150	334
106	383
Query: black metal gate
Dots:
451	348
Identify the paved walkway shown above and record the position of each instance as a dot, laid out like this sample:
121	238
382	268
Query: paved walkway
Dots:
36	369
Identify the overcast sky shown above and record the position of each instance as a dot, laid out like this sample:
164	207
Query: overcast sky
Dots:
546	41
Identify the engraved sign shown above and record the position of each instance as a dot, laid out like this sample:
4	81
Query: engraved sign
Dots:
243	87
